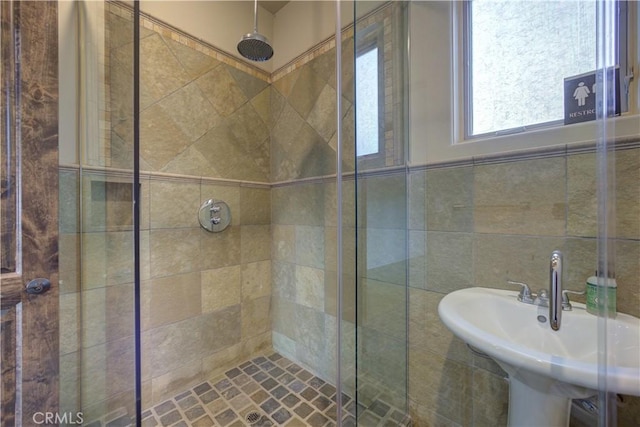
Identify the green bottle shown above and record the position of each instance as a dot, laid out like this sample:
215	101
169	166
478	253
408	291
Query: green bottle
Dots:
592	294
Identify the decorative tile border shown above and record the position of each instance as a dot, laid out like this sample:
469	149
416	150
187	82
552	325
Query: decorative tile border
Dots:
168	31
127	174
308	56
531	154
376	15
559	151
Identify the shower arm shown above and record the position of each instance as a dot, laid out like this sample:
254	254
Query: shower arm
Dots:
255	16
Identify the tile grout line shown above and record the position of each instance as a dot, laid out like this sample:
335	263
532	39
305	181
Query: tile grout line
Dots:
315	398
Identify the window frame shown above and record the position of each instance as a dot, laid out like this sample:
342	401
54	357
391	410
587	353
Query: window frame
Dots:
466	121
367	40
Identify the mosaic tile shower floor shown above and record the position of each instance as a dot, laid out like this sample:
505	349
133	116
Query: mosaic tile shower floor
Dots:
262	392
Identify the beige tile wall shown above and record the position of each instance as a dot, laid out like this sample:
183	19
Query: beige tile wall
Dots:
381	290
200	115
96	301
304	277
299	275
208	294
205	297
484	223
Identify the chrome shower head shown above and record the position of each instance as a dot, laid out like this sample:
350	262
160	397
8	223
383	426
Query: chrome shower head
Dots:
254	46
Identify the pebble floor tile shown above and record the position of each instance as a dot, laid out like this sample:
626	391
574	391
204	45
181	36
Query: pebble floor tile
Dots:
262	392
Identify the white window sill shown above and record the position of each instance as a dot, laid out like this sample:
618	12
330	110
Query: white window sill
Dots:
626	126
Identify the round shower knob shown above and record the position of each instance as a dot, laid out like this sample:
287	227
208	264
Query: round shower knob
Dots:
214	215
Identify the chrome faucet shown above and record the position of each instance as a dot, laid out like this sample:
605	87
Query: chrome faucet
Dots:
555	298
555	291
542	297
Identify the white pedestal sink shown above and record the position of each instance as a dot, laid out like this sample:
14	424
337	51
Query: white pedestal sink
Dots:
546	368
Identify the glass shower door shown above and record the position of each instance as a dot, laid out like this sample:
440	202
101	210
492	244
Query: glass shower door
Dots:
617	181
496	204
381	211
97	262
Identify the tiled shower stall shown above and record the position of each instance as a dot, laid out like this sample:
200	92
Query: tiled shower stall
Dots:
329	276
214	127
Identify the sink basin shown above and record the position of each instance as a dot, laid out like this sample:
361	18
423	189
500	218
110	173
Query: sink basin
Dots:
545	367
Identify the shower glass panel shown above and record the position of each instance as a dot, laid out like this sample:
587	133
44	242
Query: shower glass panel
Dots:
615	192
492	208
382	211
346	229
97	345
205	119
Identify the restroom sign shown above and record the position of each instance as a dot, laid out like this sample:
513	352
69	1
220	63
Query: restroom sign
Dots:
580	102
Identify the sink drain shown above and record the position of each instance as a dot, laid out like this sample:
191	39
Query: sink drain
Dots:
252	417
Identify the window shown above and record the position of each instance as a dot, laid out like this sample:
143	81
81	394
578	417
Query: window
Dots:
370	95
517	54
367	107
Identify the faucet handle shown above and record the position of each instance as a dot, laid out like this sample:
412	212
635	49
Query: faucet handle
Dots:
525	291
566	304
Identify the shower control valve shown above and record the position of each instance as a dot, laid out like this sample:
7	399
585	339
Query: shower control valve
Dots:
214	215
